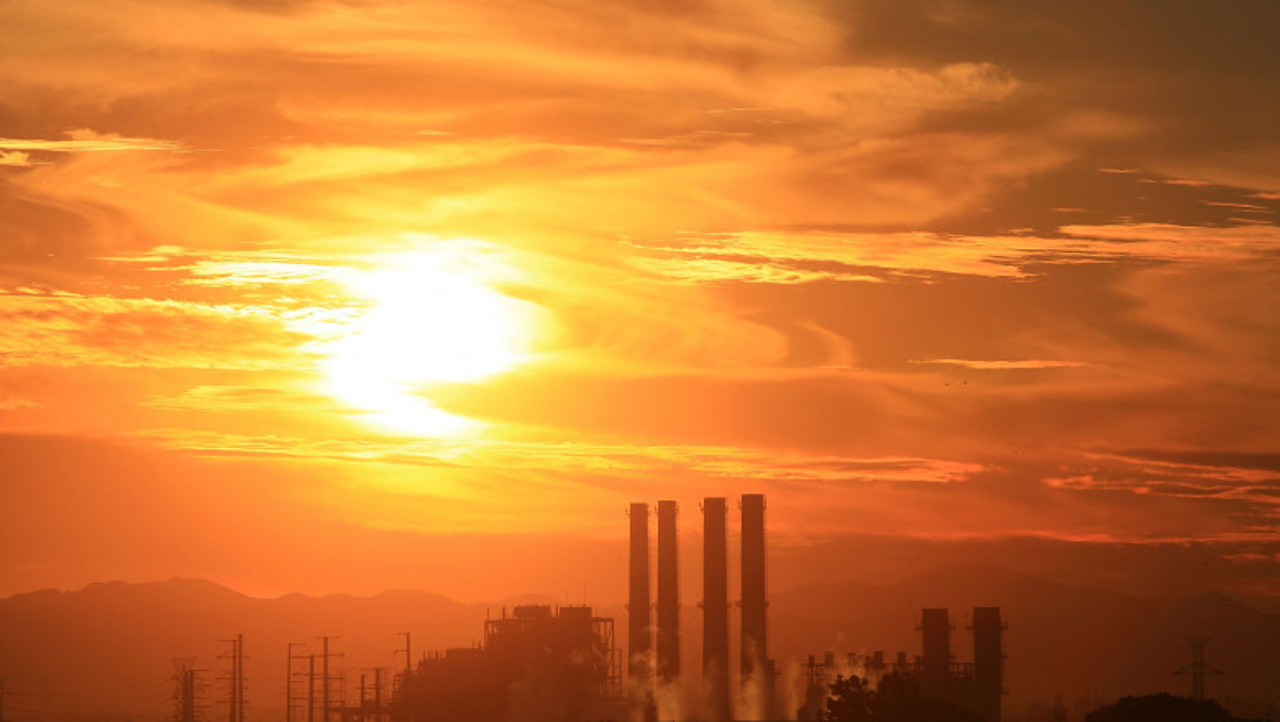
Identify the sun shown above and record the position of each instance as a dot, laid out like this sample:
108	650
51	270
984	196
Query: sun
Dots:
431	318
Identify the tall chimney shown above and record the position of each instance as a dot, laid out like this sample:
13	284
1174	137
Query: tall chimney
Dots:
639	633
715	612
988	661
668	596
935	626
755	681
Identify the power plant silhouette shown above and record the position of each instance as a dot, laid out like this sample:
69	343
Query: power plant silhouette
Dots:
563	663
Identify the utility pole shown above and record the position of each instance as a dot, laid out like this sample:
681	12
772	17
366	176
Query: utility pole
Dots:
289	697
1198	669
377	692
324	681
240	677
408	653
324	704
363	706
235	680
185	690
405	685
342	695
311	688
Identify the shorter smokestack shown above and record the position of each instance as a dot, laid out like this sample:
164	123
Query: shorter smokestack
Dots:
715	611
988	661
754	646
668	595
639	633
935	627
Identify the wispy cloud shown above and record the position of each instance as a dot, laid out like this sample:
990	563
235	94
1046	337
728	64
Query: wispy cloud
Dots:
802	257
86	141
73	331
1001	365
15	158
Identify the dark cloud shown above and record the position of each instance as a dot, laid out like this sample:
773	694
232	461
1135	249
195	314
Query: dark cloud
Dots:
1245	568
1052	37
1224	459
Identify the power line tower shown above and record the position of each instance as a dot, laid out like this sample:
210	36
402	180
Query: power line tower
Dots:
408	652
311	687
235	679
400	683
186	691
377	708
325	678
292	679
1198	669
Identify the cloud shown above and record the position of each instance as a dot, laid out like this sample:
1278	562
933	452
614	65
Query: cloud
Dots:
1001	365
75	331
88	141
808	256
15	158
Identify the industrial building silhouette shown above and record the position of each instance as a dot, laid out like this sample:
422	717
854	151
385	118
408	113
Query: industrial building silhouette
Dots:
977	686
541	663
563	663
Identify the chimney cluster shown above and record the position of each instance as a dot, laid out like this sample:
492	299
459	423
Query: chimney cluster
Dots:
651	687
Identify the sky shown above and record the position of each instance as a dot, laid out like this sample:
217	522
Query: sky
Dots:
348	295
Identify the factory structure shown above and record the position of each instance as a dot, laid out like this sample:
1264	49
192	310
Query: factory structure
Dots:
539	663
976	686
563	664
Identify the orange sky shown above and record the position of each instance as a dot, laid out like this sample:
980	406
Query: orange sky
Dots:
329	295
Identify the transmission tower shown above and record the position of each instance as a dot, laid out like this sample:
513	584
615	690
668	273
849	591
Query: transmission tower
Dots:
325	678
377	694
186	691
408	652
1198	669
292	678
311	687
235	679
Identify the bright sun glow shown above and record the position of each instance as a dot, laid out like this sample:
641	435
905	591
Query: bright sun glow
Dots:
432	319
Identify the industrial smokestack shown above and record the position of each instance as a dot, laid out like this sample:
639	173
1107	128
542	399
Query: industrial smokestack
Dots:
668	596
988	661
755	680
639	633
715	612
935	626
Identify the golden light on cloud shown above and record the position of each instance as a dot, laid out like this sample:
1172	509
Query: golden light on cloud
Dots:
433	317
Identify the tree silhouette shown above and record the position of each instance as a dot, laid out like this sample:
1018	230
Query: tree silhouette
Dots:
1161	708
850	700
896	699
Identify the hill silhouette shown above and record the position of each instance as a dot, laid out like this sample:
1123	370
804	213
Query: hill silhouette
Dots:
108	649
